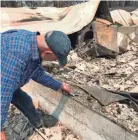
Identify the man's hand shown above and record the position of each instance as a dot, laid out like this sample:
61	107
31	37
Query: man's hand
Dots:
3	136
66	88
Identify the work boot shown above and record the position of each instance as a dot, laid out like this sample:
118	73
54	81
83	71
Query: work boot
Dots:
48	120
36	123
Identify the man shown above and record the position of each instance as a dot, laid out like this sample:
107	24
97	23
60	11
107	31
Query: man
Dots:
22	54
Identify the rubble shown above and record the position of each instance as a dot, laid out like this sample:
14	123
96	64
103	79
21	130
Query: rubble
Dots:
99	35
96	37
124	115
102	39
17	127
118	74
110	73
124	17
105	36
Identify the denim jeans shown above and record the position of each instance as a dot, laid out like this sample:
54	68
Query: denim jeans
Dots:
24	103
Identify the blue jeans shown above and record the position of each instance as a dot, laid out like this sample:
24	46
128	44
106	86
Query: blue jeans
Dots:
24	103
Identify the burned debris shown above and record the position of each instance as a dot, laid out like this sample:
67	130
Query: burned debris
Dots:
118	74
106	36
18	127
105	55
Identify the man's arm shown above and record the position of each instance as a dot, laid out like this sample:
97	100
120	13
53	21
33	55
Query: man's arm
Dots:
41	77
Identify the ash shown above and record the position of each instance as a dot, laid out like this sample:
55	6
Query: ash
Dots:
120	73
17	127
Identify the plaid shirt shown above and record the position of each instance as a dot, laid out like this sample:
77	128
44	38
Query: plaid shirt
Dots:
20	62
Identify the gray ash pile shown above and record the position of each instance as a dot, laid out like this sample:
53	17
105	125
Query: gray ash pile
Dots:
120	74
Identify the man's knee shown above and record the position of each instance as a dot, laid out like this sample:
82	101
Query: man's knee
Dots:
22	97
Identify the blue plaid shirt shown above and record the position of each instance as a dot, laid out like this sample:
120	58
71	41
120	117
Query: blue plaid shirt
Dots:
20	62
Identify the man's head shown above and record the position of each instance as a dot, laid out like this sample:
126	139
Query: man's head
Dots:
55	45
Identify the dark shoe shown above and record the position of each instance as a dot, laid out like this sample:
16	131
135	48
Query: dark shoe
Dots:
37	123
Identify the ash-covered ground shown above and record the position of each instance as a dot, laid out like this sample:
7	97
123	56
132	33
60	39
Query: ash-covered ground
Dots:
120	74
17	127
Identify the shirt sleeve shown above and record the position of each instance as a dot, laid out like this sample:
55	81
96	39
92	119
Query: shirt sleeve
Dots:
40	76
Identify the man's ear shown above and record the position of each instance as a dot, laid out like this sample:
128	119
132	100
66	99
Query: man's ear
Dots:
45	53
48	52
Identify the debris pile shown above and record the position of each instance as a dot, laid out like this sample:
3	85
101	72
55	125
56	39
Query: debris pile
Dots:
118	74
99	37
17	127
